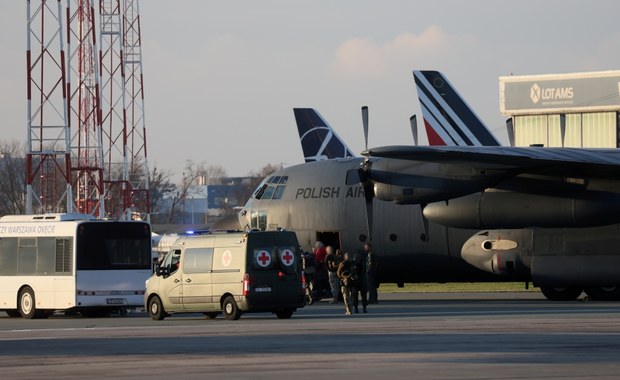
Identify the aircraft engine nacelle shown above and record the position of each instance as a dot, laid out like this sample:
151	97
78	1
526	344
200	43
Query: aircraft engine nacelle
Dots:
551	257
407	195
411	182
497	253
505	209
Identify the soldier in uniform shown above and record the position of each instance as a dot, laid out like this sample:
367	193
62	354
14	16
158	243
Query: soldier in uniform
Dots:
332	261
348	274
371	274
361	288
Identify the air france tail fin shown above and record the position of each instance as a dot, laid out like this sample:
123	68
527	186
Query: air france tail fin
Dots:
447	117
318	140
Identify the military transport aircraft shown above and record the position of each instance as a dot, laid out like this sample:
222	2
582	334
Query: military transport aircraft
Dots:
424	207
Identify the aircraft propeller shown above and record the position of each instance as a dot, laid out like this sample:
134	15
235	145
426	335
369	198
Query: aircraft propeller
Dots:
365	125
364	177
413	120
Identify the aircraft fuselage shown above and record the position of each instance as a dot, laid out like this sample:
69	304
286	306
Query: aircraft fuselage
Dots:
314	199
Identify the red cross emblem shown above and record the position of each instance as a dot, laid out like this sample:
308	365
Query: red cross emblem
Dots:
263	258
226	258
287	257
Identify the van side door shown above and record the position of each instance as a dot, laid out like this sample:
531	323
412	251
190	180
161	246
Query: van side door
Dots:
197	279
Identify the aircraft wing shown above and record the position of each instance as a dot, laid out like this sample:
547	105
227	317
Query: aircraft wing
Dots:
602	163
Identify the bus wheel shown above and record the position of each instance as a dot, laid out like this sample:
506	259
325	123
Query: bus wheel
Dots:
285	313
560	294
156	309
231	310
211	315
604	293
26	306
13	313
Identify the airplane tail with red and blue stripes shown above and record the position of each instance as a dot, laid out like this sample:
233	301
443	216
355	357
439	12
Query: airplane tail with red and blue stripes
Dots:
448	119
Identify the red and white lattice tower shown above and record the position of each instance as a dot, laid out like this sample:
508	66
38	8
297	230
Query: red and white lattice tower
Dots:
84	109
48	161
124	130
114	117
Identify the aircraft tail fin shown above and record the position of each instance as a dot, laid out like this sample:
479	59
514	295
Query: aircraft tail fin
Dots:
318	139
448	119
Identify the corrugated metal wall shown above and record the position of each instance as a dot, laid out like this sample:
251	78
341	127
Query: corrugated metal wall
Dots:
587	130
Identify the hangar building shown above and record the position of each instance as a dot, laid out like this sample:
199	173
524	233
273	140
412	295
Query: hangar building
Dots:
562	110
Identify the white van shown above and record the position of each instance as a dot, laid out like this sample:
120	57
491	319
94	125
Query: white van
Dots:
229	272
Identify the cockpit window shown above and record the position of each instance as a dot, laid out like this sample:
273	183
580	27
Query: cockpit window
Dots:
278	193
258	194
268	192
272	188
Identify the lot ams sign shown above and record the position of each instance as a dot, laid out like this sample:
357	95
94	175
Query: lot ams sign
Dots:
538	94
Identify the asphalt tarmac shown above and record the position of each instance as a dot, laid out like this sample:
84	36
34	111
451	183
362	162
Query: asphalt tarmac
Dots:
422	336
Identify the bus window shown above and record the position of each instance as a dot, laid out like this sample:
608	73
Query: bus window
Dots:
103	246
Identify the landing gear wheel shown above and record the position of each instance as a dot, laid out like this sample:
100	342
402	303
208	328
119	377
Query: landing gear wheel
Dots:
285	313
211	315
604	293
231	310
13	313
560	293
26	305
156	309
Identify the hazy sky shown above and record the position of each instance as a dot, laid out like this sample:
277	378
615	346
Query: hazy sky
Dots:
222	77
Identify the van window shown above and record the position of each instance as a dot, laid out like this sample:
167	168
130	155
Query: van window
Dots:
287	258
171	261
263	258
227	259
198	260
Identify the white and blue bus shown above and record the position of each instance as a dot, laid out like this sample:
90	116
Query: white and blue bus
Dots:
72	262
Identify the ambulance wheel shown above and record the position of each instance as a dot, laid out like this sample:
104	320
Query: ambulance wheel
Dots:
231	310
211	315
285	313
26	304
156	309
13	313
560	294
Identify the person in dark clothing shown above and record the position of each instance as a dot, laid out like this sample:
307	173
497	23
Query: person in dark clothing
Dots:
360	267
308	270
348	274
371	274
332	261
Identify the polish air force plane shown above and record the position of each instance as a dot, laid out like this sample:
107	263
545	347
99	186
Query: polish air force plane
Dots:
469	210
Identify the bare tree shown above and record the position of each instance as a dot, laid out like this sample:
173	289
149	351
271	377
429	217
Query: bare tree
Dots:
256	178
159	187
194	174
12	178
